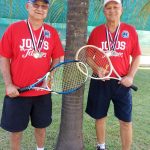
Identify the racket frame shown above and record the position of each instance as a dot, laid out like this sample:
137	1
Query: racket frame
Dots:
112	69
33	86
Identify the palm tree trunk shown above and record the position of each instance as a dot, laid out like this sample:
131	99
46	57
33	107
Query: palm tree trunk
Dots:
70	135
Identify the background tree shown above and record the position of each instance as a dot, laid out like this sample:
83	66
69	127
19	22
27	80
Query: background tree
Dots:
70	135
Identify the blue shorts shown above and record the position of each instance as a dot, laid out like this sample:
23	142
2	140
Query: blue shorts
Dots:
18	111
100	95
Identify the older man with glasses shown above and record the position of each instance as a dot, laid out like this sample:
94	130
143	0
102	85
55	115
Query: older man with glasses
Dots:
120	41
28	49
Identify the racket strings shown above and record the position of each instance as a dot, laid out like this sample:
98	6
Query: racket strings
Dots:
96	61
67	77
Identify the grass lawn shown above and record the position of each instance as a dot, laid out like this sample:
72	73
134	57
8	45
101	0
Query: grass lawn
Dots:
141	122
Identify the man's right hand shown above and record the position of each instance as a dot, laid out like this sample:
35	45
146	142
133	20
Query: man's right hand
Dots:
11	90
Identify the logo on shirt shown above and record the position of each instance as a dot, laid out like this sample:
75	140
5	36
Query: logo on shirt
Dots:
27	48
47	34
125	34
118	51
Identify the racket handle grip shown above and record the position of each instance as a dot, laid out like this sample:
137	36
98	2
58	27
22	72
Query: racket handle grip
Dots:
23	90
135	88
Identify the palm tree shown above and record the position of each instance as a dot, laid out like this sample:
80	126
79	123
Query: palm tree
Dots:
146	8
70	134
144	14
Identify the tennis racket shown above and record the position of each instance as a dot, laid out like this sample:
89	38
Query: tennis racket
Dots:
64	78
98	63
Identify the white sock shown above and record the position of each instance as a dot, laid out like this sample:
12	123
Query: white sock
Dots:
40	148
102	146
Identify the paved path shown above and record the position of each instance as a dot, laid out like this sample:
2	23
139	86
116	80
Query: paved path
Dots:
145	61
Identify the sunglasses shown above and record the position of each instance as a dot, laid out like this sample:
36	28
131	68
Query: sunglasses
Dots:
37	6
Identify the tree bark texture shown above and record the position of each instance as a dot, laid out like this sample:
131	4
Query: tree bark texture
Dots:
70	135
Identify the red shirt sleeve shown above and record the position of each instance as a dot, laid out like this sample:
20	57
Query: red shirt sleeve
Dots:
58	49
6	43
136	50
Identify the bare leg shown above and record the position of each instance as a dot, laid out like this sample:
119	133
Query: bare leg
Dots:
40	134
15	140
100	130
126	134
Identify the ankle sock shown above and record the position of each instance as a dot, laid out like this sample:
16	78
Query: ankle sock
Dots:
40	148
102	146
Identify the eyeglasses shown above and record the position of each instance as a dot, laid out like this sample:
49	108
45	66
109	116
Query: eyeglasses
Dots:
36	6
